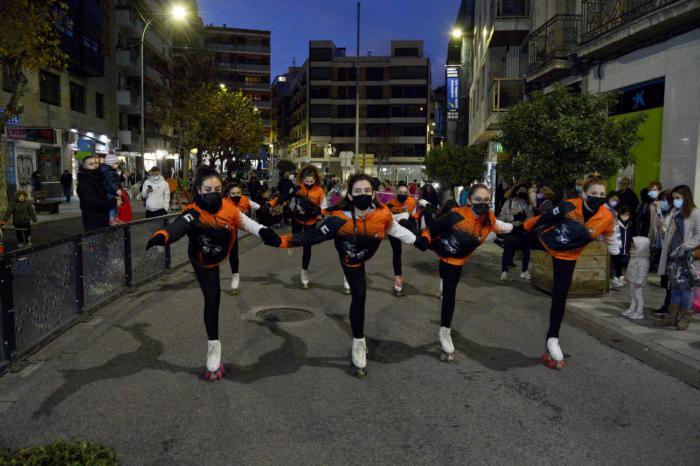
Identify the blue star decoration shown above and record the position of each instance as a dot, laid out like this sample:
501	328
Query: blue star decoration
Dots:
638	100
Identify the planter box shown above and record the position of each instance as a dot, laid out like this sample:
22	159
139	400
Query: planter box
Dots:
591	277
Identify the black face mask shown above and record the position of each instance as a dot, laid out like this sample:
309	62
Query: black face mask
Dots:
522	194
236	199
362	201
402	197
594	203
211	202
309	186
480	209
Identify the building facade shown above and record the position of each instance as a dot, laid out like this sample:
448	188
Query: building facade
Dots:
394	99
242	62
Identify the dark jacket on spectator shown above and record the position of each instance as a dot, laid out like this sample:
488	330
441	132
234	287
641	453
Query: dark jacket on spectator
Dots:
94	204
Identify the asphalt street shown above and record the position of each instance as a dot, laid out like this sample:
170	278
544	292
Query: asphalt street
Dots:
128	377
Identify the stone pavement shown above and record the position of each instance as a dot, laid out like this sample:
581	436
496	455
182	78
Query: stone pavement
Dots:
129	376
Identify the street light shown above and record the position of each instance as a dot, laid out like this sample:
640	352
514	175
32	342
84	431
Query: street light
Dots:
178	13
457	33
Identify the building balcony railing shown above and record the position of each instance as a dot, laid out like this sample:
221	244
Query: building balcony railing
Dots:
240	47
505	93
554	40
512	9
259	86
223	65
602	16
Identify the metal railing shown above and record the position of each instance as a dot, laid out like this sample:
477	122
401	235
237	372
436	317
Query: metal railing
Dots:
512	9
601	16
555	39
505	93
44	290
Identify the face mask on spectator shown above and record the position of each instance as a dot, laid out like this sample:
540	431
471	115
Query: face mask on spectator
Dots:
678	203
653	194
665	207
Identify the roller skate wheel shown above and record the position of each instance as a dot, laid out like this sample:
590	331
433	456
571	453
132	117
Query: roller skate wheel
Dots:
447	357
305	286
360	373
398	293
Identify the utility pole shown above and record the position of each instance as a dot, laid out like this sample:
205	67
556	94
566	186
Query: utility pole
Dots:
357	93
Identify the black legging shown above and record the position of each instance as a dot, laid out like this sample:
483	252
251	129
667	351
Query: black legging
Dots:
510	245
396	254
358	288
306	257
620	263
208	279
563	274
450	275
233	256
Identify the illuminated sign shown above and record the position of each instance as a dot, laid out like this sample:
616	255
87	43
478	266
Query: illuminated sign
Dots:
452	92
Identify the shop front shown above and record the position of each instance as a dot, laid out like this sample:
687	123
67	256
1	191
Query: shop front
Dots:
33	150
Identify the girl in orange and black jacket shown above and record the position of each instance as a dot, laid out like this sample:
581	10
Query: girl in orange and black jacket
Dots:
234	194
308	204
358	228
454	236
564	231
403	207
211	225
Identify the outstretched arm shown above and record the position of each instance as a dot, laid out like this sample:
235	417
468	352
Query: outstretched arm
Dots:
402	234
176	230
325	231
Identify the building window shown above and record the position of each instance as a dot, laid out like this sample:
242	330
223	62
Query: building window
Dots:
319	74
346	74
345	111
320	111
325	54
77	98
320	92
409	72
7	84
406	52
408	92
99	105
375	74
50	88
375	92
377	111
346	92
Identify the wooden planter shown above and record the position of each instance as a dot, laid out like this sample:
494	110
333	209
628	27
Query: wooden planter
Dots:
591	277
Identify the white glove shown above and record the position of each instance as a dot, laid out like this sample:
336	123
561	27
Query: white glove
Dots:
423	203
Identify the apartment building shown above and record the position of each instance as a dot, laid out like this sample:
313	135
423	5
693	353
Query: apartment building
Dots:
394	98
280	120
242	61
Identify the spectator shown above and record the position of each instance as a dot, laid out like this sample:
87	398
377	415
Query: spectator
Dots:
37	184
413	188
23	215
111	181
612	202
67	184
624	231
516	210
682	238
647	210
285	186
156	193
627	196
255	187
431	195
172	188
124	213
94	204
659	227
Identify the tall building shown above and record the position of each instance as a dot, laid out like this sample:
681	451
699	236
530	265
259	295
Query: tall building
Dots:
647	51
394	93
64	106
242	61
126	37
280	121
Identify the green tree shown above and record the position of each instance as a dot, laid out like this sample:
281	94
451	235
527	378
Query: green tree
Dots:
454	165
29	41
558	136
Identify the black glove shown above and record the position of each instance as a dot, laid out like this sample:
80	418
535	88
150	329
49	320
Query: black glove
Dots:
270	238
422	243
518	230
520	217
409	225
157	240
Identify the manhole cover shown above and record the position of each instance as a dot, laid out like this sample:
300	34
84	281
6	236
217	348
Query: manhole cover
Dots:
284	314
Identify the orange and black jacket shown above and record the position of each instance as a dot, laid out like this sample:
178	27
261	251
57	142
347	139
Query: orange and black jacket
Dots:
564	232
409	206
245	205
455	235
211	236
356	239
309	204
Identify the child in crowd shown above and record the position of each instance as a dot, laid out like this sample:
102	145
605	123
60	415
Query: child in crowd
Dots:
637	272
23	214
111	181
624	231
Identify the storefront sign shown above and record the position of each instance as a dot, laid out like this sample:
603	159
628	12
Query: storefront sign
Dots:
452	92
41	135
15	120
642	96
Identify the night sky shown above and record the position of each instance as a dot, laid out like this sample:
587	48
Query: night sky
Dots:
294	22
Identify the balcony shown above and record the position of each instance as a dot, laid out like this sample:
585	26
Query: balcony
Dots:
229	66
512	22
253	86
262	49
128	101
128	60
550	46
617	26
504	93
126	20
155	76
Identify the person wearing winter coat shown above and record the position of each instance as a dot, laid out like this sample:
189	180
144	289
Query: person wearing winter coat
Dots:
156	192
624	230
94	203
682	237
23	215
516	210
111	181
637	273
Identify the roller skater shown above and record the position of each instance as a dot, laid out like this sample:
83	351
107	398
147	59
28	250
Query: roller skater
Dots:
454	236
215	369
308	203
211	225
403	207
564	231
358	228
246	206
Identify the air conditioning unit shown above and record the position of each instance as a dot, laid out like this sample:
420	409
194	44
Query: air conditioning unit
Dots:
124	136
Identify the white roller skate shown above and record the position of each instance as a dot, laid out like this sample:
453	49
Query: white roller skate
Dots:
359	356
553	357
346	286
304	279
235	282
398	286
215	369
448	349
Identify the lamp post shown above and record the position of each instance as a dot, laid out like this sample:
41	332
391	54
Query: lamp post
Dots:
357	94
178	12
